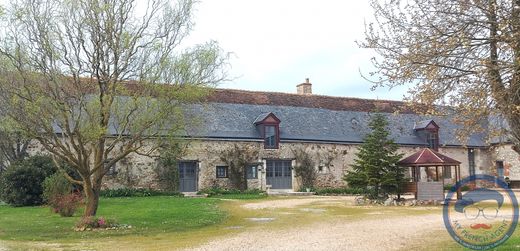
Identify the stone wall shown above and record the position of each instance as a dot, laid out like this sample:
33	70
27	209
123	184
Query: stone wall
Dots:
332	162
510	158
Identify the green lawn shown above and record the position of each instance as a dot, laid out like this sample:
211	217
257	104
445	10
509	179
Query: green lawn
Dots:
146	215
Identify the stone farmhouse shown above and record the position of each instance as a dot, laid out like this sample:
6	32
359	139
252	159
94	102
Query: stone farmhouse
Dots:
330	129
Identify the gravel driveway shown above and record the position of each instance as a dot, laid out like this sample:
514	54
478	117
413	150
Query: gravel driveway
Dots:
391	233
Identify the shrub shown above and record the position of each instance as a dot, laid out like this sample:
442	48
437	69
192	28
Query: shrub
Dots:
215	191
54	186
66	204
463	188
57	192
336	191
136	192
96	222
21	183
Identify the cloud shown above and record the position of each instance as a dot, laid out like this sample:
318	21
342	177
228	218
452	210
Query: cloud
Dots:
277	44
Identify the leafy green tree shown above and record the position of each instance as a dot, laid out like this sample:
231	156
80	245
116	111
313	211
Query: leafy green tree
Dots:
94	81
375	168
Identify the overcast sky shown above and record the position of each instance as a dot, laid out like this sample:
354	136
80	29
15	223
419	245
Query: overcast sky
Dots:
276	44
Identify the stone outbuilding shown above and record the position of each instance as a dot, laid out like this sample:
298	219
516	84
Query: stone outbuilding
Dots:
329	129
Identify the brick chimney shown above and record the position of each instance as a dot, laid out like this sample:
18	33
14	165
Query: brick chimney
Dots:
304	88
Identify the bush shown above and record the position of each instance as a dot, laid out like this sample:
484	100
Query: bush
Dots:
136	192
335	191
463	188
57	192
215	191
56	185
21	182
96	222
66	204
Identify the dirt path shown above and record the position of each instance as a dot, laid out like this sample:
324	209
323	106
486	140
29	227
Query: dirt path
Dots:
291	203
390	233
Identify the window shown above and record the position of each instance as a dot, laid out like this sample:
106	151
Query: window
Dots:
270	137
500	169
433	140
268	125
447	172
471	161
222	171
112	170
251	172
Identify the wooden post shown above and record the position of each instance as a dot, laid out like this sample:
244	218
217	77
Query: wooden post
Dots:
417	177
437	173
457	175
442	178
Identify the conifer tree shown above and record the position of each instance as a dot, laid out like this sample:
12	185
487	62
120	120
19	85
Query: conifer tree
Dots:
375	168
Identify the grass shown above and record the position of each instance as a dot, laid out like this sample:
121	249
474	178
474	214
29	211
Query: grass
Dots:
147	216
166	223
240	196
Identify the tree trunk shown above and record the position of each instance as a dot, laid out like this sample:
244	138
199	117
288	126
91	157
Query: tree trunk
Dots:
92	200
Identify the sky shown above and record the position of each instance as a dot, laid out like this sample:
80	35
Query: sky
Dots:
276	44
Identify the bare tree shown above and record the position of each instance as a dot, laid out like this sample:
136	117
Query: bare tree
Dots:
96	80
13	147
462	53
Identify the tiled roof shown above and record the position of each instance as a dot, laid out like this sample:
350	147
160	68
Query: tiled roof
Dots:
310	101
423	124
428	157
235	121
231	114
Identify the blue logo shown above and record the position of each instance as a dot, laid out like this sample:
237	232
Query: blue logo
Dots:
485	217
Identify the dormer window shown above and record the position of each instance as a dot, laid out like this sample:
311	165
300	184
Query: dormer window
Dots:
270	136
268	125
432	138
429	131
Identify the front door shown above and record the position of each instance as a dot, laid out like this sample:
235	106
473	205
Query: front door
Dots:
279	174
188	176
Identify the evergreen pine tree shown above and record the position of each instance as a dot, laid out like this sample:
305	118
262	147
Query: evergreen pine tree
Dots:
375	167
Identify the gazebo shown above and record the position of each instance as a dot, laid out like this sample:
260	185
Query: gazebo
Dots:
428	185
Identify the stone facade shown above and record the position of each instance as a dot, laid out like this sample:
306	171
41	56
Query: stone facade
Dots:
510	159
332	162
237	117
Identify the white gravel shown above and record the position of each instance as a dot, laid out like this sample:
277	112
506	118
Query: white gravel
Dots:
380	234
391	233
291	203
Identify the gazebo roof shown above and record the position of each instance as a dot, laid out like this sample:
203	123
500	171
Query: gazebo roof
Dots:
428	157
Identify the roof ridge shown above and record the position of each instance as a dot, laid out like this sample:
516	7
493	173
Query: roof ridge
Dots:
420	155
233	96
435	154
312	95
